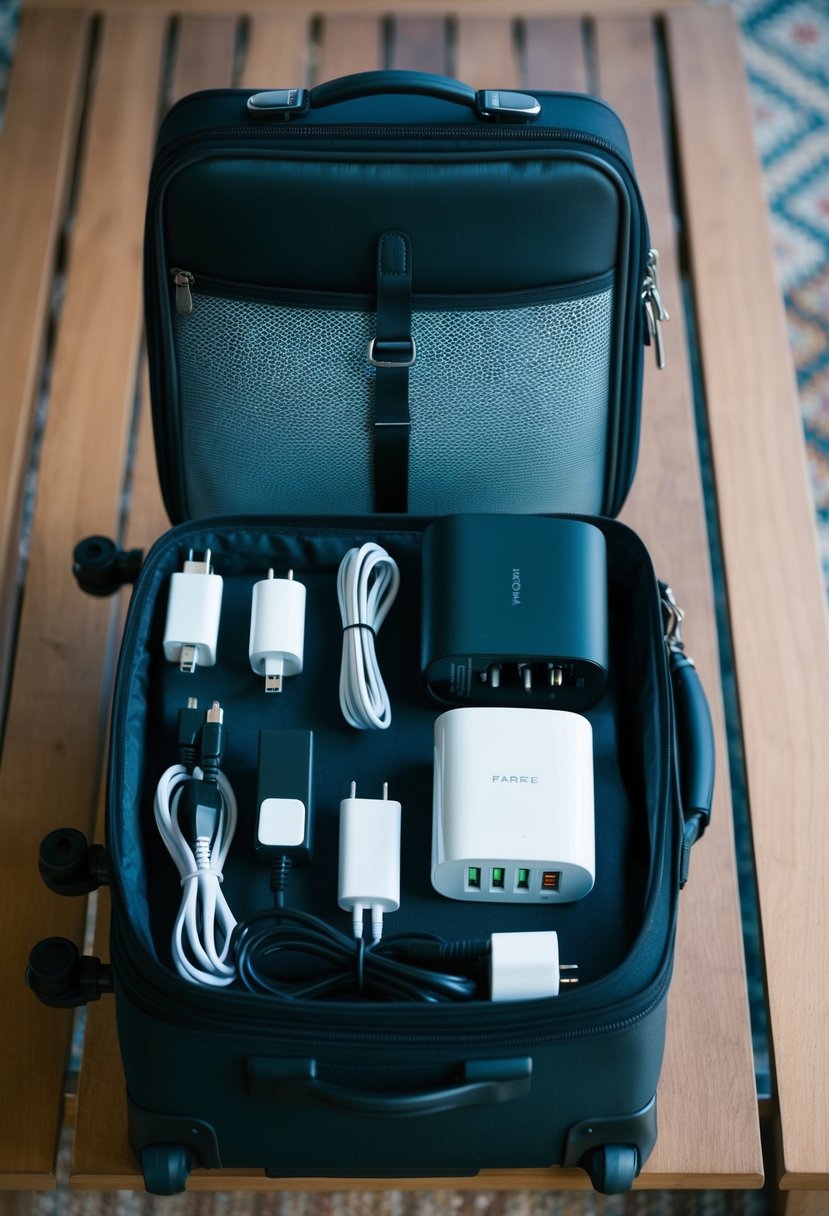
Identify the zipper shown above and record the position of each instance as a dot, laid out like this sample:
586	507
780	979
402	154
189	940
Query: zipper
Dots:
183	280
281	131
655	310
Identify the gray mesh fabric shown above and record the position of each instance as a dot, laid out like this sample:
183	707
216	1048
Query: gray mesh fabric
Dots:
508	405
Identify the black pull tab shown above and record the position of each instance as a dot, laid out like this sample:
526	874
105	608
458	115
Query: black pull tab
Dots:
275	105
503	105
101	568
392	352
71	866
60	976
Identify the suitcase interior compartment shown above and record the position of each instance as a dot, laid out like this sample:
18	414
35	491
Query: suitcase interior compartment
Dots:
629	724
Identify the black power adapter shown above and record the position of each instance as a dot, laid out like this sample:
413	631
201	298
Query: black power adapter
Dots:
285	812
514	611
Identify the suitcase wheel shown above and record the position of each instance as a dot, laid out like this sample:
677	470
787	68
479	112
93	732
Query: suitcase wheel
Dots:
166	1168
612	1168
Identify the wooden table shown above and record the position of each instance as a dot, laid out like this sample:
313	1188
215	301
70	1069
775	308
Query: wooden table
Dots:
86	95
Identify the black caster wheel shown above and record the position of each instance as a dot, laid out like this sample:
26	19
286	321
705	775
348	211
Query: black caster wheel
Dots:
166	1168
100	567
612	1168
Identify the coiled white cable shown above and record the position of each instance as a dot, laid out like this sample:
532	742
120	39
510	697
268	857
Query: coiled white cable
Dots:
204	924
367	583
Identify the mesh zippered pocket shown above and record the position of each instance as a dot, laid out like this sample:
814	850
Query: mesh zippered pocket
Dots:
509	402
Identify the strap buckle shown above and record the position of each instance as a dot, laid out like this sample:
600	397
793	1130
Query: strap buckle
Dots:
406	357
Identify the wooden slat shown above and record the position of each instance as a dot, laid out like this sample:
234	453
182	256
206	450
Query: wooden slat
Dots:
708	1116
101	1155
776	595
53	747
278	51
805	1203
36	154
487	52
554	55
201	43
349	44
419	44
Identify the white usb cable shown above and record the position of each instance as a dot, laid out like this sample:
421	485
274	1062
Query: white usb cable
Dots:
367	583
205	923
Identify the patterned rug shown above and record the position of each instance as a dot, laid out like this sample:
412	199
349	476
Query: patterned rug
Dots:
786	49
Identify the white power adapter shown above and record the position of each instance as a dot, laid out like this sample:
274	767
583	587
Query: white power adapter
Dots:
277	629
194	607
369	873
513	813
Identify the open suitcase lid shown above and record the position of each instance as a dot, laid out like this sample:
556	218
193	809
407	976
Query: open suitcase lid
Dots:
391	292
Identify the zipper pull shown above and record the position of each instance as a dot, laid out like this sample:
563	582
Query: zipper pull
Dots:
183	280
655	310
672	618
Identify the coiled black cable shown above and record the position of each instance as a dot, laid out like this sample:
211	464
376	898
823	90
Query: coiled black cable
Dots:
296	956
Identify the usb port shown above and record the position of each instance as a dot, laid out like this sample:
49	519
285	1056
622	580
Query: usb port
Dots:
497	878
550	880
522	880
473	878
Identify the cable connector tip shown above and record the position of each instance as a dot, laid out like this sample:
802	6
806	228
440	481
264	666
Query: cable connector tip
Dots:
274	671
187	658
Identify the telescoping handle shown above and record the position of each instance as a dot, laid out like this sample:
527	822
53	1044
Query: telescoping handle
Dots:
481	1083
493	105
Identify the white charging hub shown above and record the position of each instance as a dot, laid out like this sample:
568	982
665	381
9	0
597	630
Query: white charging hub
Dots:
513	813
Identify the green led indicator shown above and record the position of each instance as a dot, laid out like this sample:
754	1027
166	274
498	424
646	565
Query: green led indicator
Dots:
473	877
497	876
523	880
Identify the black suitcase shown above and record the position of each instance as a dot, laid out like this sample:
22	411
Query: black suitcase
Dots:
352	1084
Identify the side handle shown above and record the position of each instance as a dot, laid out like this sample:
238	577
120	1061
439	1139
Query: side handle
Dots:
481	1083
696	759
695	744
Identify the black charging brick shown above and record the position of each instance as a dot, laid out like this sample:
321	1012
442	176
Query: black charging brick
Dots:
284	815
514	611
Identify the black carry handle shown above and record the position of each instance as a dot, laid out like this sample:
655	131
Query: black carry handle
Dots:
695	739
493	105
369	84
695	744
482	1083
696	760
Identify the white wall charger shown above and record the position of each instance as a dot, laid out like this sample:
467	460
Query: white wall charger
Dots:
277	629
513	811
194	607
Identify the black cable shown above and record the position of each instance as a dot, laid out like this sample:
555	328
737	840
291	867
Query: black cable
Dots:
296	956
